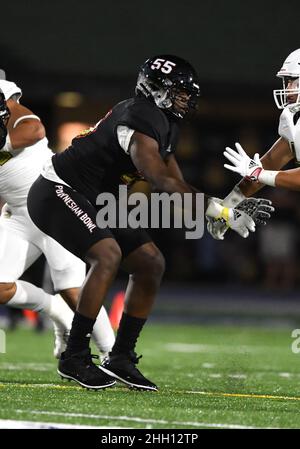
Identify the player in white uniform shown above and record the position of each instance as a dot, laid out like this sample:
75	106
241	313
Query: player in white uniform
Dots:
266	171
21	242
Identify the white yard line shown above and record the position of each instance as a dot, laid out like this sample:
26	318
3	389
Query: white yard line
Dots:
141	420
237	376
13	424
27	366
208	365
210	348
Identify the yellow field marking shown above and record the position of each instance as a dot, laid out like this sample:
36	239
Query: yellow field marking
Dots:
243	395
203	393
57	387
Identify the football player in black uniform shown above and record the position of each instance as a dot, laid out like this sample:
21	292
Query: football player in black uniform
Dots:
136	138
4	116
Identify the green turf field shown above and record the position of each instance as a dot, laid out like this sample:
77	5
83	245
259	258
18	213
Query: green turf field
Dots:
209	377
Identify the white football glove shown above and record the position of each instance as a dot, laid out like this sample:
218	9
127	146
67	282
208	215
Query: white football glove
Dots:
257	209
242	163
218	228
235	219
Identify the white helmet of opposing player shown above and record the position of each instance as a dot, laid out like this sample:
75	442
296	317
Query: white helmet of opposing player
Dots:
290	70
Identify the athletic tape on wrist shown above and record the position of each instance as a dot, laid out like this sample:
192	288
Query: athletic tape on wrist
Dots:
268	177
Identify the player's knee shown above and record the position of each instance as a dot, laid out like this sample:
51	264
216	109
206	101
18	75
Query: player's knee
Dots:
106	254
152	262
7	291
112	257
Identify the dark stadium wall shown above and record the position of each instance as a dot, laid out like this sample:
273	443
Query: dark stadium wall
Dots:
228	41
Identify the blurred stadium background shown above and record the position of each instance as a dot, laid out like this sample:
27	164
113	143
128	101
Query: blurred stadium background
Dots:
75	60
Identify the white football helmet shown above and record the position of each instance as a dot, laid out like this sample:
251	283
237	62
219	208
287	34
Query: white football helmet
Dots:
289	70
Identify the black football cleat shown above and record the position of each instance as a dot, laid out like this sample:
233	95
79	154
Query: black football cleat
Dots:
122	367
80	368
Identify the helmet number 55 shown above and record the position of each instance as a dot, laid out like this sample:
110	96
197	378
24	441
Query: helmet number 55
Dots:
163	65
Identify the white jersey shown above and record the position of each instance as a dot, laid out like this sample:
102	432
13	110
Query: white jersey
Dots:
19	170
21	242
289	128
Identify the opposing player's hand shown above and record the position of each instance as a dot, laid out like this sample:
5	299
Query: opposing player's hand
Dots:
242	163
259	209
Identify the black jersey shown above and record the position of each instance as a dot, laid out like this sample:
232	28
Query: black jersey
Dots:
95	162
